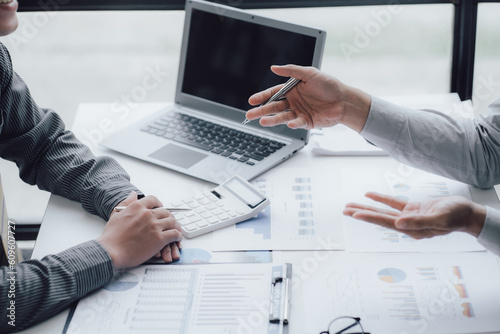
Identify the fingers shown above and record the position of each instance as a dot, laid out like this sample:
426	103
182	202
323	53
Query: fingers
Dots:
269	109
171	239
288	117
297	72
162	213
171	252
160	219
175	251
263	96
149	202
294	71
169	223
390	222
166	254
415	220
391	201
299	123
277	113
373	217
280	118
354	207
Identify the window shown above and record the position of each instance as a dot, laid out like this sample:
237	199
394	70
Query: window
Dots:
67	58
385	50
103	56
486	87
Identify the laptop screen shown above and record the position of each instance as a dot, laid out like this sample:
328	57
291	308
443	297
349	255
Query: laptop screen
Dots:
228	59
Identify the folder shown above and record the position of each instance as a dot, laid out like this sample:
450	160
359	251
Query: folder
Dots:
201	298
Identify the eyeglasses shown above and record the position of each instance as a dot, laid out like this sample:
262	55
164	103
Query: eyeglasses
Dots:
346	325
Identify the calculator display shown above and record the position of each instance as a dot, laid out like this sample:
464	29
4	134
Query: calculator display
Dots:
247	194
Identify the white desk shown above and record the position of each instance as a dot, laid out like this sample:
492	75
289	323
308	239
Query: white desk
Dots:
66	224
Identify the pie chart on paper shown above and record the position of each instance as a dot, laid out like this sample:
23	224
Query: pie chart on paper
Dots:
122	281
391	275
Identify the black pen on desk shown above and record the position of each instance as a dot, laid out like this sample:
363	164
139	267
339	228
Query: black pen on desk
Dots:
121	208
292	82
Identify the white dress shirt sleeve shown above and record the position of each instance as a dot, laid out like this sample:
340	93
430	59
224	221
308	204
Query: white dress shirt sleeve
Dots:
466	150
463	149
490	234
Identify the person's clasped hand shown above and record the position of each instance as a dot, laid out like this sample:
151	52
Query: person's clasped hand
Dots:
439	216
141	231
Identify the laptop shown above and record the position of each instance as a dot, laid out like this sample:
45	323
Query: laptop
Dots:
226	56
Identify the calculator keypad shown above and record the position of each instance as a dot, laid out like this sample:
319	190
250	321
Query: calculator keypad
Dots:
208	211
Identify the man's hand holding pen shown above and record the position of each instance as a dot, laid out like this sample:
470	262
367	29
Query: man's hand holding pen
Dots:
157	227
280	94
318	100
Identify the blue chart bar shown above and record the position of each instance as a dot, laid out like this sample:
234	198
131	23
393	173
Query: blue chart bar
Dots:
302	190
306	214
302	180
306	222
262	223
300	197
303	231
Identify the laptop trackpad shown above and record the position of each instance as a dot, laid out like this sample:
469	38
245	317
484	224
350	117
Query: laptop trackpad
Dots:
177	155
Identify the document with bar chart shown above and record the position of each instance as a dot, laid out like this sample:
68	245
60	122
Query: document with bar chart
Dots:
212	299
305	214
408	293
412	185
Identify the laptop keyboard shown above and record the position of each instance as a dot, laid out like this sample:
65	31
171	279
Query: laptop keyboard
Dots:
217	139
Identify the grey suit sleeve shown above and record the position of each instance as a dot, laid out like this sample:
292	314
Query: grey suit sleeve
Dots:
462	149
39	289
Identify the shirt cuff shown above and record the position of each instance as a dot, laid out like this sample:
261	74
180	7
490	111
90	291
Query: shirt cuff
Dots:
490	234
107	195
384	123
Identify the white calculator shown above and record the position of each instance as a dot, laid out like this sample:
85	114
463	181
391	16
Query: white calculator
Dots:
229	203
